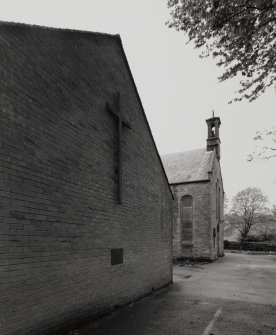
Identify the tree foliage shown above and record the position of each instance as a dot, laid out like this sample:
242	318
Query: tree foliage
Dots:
241	34
248	208
266	145
225	204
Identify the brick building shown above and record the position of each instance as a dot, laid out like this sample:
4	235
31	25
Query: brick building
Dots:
196	182
84	200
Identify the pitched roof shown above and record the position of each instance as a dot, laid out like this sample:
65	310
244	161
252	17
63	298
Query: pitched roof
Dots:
188	166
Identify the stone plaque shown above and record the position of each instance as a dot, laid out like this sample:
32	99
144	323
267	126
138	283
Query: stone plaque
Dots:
117	256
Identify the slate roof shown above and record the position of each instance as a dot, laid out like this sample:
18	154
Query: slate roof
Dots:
188	166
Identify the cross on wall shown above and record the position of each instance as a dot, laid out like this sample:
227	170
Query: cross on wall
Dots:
122	122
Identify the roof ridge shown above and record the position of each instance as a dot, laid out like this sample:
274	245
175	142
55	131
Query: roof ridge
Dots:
180	152
188	166
69	30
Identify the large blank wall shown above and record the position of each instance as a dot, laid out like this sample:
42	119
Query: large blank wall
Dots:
60	216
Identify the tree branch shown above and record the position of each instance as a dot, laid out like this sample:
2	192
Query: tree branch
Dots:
239	229
265	23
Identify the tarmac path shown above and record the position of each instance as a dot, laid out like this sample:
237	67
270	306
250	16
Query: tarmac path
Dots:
236	295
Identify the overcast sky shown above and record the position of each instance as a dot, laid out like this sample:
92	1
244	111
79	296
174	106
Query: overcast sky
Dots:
177	88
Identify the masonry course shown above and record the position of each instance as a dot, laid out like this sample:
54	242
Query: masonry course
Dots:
58	172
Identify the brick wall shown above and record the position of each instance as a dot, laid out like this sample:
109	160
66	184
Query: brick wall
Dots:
58	184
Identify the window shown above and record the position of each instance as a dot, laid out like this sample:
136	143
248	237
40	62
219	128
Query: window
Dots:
213	129
187	219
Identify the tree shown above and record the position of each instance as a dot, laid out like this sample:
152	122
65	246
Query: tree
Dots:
225	204
266	145
241	34
248	208
274	210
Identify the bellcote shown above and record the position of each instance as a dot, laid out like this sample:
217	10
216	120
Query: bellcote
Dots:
213	140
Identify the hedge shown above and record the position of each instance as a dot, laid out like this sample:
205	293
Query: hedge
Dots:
250	246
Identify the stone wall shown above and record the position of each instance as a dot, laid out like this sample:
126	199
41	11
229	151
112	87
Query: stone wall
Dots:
217	215
201	232
60	216
206	220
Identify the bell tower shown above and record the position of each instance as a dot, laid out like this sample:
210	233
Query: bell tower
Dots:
213	140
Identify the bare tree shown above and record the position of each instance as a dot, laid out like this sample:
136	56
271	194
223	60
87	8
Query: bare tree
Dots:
226	204
248	208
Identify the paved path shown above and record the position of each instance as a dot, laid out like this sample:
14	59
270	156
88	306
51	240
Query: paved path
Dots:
235	295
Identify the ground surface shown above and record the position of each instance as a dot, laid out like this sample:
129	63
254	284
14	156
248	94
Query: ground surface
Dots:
234	295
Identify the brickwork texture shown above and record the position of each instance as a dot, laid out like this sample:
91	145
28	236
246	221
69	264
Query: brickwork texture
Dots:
60	216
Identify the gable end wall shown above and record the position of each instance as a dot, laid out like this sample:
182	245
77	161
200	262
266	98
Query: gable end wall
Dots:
58	185
200	192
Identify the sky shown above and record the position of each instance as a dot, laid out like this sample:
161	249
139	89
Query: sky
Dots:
178	89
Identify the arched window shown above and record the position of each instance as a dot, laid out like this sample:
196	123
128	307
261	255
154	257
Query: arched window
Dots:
187	217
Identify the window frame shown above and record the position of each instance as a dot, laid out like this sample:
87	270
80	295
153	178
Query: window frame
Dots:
182	240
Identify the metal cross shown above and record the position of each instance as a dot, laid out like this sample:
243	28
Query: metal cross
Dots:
117	112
